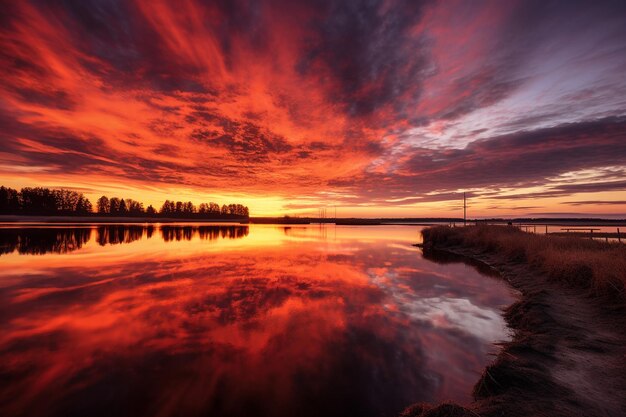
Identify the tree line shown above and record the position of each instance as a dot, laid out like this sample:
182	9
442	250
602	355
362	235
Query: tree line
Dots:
179	208
45	201
176	209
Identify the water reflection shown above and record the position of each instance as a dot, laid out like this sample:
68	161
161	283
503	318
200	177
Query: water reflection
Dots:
444	258
116	234
42	240
37	241
179	233
312	322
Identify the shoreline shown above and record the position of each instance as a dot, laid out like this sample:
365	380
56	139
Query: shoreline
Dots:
566	356
47	219
294	221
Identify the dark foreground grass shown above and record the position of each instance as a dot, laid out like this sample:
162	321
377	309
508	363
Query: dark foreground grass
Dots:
599	267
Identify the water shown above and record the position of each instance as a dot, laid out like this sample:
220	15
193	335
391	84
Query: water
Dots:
237	321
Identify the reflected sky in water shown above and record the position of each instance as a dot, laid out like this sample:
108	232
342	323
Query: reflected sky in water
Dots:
239	320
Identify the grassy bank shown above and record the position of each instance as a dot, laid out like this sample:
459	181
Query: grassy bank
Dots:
597	266
566	356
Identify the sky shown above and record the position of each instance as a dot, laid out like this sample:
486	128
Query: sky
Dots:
378	108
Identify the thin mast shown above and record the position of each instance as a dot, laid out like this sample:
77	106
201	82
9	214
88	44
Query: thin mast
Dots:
464	210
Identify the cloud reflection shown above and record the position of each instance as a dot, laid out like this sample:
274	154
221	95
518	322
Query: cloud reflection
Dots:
317	323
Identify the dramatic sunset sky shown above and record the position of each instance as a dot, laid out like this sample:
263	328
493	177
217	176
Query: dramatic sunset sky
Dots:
381	108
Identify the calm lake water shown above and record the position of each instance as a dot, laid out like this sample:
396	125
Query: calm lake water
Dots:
256	320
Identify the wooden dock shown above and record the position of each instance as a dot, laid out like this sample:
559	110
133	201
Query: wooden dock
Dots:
590	233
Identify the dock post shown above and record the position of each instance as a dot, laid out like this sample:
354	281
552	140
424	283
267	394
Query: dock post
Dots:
619	239
546	229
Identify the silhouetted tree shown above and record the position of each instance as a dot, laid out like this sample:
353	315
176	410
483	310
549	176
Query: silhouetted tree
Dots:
114	205
123	209
9	201
168	208
189	208
135	208
104	206
83	206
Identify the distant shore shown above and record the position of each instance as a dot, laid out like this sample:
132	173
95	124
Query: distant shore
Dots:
427	221
569	343
287	220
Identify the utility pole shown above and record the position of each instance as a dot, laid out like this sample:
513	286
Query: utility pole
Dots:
464	210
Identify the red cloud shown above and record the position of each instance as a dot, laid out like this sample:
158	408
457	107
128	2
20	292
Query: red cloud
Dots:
276	98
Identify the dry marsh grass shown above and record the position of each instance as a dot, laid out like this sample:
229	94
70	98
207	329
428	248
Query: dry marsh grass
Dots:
597	266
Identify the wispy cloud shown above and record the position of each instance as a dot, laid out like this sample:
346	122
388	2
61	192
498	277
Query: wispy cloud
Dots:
395	103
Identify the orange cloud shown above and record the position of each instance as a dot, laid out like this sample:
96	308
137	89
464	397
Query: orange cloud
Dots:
277	102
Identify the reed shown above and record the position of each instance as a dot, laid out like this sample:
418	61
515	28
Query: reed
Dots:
597	266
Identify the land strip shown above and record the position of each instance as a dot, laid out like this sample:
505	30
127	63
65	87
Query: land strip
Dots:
568	352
